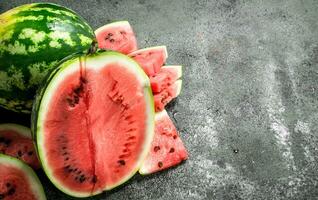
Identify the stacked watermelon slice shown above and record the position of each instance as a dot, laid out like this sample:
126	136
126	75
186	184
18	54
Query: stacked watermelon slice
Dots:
167	149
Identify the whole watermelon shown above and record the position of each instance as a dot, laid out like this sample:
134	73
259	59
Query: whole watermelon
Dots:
33	39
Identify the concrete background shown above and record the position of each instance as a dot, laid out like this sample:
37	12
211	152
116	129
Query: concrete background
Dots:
248	110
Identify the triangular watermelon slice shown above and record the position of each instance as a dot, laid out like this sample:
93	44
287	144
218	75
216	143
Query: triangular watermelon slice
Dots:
117	36
165	77
167	149
16	141
150	59
165	96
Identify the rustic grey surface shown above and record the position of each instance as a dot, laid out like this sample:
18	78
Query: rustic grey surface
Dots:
248	110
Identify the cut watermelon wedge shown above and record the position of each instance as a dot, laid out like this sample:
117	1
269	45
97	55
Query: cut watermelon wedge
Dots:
165	77
117	36
150	59
18	181
16	141
165	96
94	123
167	149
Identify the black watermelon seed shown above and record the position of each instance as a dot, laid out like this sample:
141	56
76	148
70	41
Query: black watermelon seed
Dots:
76	99
2	139
82	178
30	153
112	40
121	162
7	142
65	153
19	153
75	170
63	147
110	34
171	150
156	148
11	191
174	137
79	172
160	164
8	185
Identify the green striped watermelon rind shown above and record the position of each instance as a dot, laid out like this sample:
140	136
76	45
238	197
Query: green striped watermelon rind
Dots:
26	33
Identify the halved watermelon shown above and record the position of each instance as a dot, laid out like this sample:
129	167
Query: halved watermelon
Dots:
150	59
94	123
18	181
166	95
117	36
16	141
165	77
167	149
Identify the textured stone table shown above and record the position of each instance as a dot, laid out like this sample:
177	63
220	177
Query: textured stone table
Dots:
248	113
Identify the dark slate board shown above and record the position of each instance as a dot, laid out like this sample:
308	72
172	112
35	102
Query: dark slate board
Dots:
248	110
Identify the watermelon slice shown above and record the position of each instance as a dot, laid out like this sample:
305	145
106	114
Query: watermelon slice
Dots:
18	181
150	59
165	96
16	141
94	123
167	149
165	77
117	36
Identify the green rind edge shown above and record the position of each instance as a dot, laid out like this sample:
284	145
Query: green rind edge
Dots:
28	171
41	92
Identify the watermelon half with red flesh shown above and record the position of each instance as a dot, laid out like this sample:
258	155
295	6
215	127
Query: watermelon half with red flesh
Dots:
18	181
117	36
94	123
167	149
16	141
150	59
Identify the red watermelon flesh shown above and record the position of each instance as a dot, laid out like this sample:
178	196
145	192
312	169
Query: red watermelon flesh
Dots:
117	36
150	59
167	149
96	126
165	77
165	96
18	181
15	140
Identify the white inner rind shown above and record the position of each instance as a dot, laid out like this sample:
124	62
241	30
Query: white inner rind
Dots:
178	87
156	48
34	182
177	68
114	24
94	62
22	130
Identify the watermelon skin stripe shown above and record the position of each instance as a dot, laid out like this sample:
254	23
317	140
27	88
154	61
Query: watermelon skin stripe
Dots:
34	38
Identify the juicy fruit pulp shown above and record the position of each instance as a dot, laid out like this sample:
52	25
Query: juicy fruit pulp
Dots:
150	59
167	149
18	181
94	123
33	39
117	36
15	140
165	77
166	95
